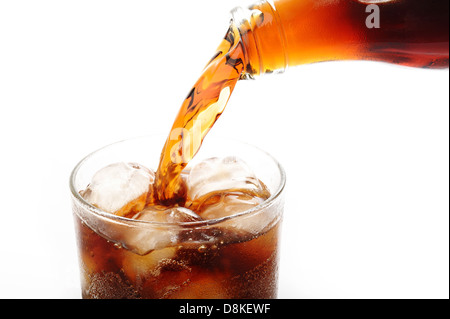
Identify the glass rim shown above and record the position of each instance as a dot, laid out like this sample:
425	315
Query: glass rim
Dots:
110	216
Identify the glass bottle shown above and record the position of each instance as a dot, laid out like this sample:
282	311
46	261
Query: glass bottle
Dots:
281	33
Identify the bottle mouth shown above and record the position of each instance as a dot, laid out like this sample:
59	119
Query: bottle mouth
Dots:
254	26
241	20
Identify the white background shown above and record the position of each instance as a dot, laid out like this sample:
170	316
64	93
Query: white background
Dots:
365	145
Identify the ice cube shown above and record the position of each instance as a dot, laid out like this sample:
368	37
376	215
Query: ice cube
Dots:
120	188
222	174
148	237
162	214
246	218
137	267
227	204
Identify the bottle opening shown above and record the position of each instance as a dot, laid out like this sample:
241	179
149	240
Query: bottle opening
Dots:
262	37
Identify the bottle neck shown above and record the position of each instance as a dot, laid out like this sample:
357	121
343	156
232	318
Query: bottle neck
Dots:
262	38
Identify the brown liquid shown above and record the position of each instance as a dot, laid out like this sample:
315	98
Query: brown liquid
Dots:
412	33
232	266
199	111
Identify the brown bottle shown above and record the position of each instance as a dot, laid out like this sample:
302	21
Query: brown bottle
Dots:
278	34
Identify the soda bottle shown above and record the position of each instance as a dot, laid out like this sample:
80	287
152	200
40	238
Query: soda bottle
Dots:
281	33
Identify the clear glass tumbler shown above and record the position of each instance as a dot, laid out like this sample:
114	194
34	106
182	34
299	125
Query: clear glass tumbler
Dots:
226	258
